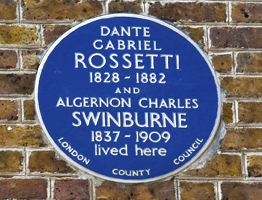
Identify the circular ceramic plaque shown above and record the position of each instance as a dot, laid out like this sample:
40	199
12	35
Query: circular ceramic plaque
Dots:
127	98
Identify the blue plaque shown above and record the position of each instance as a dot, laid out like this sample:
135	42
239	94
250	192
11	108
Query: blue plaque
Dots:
127	98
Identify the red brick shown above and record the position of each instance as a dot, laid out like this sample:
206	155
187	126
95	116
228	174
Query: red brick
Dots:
227	37
250	112
248	87
121	6
8	110
157	190
243	139
45	161
247	12
60	9
7	9
189	12
71	189
11	161
23	189
197	191
8	59
17	84
51	33
241	191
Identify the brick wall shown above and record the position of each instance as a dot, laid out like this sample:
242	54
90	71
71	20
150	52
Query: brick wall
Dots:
229	31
